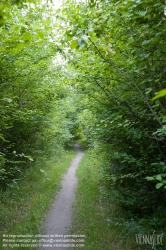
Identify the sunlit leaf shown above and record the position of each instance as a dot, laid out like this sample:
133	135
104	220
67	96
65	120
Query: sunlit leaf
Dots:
160	94
94	38
27	36
73	44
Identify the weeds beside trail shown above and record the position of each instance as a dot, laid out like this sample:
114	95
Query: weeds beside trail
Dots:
23	207
92	213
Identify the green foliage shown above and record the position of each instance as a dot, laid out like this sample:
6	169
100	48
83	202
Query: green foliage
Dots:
161	93
112	64
23	207
117	56
34	112
93	216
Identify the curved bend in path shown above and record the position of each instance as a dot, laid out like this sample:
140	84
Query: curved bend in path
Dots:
59	219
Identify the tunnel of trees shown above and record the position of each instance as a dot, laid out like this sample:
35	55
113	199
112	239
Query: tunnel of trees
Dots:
94	71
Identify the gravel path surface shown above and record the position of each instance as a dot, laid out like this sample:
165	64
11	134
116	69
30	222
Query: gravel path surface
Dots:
59	219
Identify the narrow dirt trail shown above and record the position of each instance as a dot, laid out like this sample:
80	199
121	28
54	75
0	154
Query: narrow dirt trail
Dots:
59	219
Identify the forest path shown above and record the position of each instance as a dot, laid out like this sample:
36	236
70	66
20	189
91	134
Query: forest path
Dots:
59	218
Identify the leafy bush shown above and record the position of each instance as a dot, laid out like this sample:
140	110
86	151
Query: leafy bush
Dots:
118	53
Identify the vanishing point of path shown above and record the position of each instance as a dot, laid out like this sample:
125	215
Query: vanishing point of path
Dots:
59	219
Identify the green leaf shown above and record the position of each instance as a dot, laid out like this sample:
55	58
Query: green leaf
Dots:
159	185
40	34
142	13
160	94
9	100
73	44
47	22
94	38
27	36
149	178
2	137
146	42
158	177
114	179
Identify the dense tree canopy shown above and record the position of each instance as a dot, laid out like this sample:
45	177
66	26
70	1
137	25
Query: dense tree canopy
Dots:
117	56
34	105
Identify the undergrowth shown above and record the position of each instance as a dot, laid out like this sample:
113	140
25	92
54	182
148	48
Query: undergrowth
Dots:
23	206
93	213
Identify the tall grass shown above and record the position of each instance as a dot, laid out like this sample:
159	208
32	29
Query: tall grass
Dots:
23	206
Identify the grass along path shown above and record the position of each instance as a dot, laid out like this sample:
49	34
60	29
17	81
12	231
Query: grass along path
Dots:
91	211
23	207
